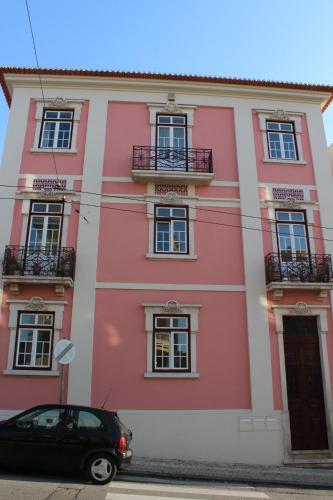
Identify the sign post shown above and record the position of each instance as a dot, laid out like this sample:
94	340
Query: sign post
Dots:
64	353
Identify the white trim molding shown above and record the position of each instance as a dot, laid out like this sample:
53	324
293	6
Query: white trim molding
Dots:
321	312
35	304
176	109
172	307
295	117
182	200
73	104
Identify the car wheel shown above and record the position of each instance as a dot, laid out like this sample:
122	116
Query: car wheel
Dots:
101	469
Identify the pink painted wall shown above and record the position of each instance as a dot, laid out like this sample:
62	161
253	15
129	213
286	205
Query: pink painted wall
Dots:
21	392
283	172
120	344
123	246
43	163
214	129
127	125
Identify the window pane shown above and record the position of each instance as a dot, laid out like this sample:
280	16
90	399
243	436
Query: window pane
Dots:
66	114
178	120
179	322
162	350
299	216
272	126
26	335
39	207
87	420
163	212
179	236
163	322
282	215
163	236
45	319
54	207
179	212
48	134
48	419
51	114
286	126
164	119
274	145
27	319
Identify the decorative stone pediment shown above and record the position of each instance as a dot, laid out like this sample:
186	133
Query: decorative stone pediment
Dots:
59	102
172	107
280	114
171	198
300	308
172	306
36	304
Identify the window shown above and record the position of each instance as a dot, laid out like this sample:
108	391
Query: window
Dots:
171	131
281	140
45	224
171	229
34	340
171	343
56	130
41	419
292	235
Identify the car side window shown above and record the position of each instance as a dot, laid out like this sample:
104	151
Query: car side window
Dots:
41	419
87	420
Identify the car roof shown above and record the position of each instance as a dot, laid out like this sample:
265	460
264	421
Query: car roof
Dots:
69	406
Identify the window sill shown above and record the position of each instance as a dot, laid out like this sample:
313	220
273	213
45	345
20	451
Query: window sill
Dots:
170	256
35	373
55	151
171	375
283	162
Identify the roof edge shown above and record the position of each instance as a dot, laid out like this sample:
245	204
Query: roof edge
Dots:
162	76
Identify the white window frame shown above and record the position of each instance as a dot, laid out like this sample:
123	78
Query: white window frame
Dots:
35	327
292	236
47	215
171	331
73	105
190	201
171	221
290	116
43	306
160	109
171	308
281	141
57	121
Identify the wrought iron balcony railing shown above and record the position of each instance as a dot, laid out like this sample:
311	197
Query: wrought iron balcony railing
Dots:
293	267
39	261
172	159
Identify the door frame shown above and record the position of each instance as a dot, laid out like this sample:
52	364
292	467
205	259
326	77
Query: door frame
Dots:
303	309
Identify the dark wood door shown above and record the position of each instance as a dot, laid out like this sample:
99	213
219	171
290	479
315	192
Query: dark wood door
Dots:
304	383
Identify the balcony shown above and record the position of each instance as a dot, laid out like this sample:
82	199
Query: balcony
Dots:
172	164
313	272
39	265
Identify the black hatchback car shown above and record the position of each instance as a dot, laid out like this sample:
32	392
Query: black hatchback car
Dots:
67	437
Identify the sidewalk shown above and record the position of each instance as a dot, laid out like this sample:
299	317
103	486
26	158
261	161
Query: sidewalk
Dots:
255	474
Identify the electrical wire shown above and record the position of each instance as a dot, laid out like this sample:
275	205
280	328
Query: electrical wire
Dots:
133	198
238	226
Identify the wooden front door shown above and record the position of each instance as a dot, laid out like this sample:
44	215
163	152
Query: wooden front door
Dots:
304	383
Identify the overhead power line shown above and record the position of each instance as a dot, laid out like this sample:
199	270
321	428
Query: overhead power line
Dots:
135	198
144	212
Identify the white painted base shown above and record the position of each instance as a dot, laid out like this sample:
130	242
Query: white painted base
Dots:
206	435
211	435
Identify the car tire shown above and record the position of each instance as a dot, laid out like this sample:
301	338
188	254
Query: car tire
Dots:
101	468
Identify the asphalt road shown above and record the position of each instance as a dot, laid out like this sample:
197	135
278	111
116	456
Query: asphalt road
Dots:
28	486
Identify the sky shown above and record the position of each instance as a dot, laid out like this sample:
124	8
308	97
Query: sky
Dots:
288	40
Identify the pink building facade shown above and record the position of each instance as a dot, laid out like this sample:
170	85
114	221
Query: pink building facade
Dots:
178	231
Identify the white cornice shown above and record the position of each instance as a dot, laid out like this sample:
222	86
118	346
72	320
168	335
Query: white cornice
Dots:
146	85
